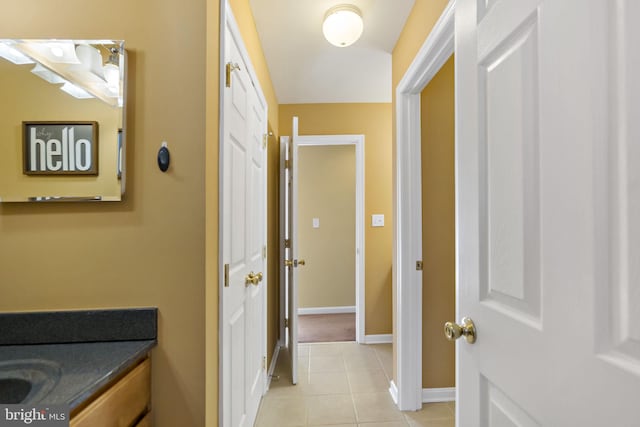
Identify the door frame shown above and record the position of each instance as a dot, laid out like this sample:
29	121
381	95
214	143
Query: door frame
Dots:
227	19
358	142
407	391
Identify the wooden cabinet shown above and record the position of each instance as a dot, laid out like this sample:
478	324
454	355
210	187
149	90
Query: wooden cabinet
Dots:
122	403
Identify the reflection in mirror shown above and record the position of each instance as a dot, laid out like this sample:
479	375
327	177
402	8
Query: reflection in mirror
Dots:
62	122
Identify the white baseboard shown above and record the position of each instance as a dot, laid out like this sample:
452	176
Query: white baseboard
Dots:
393	391
272	365
430	395
378	339
327	310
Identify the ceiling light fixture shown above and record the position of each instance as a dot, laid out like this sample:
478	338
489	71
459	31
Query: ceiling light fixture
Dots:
11	54
342	25
111	71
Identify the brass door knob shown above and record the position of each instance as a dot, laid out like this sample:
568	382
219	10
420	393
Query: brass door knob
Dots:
252	279
453	331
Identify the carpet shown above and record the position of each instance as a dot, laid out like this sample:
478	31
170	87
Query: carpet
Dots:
326	327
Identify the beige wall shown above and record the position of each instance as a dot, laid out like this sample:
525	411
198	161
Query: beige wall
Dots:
27	97
244	17
374	122
148	250
421	20
327	191
438	227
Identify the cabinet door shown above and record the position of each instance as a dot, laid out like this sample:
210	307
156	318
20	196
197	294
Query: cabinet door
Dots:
121	404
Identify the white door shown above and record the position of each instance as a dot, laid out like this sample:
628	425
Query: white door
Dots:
244	238
289	253
548	212
293	262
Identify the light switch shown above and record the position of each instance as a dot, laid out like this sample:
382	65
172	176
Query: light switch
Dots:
316	222
377	220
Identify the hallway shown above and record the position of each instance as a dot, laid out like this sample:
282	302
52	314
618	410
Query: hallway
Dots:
344	385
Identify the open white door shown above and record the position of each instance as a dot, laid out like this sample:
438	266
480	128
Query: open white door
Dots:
292	262
548	212
243	293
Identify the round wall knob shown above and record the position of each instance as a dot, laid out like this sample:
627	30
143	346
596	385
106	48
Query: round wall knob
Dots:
453	331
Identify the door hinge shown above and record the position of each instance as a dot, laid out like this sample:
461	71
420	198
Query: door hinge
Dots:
264	252
226	275
287	164
265	138
419	265
229	68
264	362
286	323
287	243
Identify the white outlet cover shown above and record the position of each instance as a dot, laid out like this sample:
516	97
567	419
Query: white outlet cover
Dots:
316	222
377	220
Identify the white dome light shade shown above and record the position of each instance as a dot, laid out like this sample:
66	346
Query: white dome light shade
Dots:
343	25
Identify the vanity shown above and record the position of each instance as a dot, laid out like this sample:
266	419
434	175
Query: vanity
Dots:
96	364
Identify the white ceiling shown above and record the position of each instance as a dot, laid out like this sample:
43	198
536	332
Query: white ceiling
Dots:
305	68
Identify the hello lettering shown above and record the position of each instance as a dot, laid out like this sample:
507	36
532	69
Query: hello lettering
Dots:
59	150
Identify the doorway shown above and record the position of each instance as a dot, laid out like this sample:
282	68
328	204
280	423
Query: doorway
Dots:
407	390
327	240
291	251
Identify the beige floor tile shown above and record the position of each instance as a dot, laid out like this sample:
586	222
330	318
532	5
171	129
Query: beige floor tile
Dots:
303	349
322	349
376	407
444	422
385	424
283	388
340	425
429	413
327	383
330	409
282	412
367	381
343	384
349	348
319	364
362	362
384	353
452	405
303	364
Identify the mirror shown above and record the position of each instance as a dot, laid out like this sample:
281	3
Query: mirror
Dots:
62	121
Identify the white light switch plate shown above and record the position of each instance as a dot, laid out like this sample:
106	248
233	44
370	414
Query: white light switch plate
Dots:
377	220
316	222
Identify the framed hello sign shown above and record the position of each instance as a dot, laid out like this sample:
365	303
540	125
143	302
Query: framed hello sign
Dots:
60	148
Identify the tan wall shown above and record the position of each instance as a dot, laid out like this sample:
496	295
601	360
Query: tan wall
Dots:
27	97
438	227
421	20
327	191
374	121
148	250
212	272
244	17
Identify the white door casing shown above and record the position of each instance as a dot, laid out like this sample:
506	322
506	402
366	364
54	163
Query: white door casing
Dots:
548	201
243	232
358	141
407	390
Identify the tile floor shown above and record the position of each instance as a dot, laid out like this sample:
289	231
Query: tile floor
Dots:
342	385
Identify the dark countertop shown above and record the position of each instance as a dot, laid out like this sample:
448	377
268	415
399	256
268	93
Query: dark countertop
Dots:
69	355
84	367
